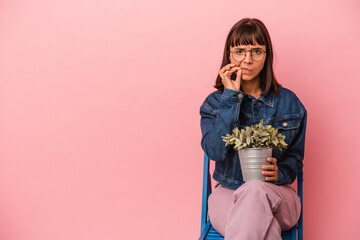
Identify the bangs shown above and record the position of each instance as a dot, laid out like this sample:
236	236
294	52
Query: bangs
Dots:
246	34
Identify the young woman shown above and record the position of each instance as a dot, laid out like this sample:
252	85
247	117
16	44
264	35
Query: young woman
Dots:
247	92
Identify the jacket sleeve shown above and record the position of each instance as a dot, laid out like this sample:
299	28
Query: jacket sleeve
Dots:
217	120
291	162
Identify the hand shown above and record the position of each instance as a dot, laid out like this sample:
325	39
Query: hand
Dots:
272	170
225	74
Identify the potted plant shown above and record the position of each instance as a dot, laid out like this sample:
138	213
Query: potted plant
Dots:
254	145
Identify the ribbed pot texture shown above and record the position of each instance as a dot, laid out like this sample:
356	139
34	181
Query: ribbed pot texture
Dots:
251	161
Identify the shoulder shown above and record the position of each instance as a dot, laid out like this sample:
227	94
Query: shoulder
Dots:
288	99
212	100
214	95
287	93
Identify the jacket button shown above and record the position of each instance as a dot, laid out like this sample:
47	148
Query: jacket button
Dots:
240	95
285	124
259	104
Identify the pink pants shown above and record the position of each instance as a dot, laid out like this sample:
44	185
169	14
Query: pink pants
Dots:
255	211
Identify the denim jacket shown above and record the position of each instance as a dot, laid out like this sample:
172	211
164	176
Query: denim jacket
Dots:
222	111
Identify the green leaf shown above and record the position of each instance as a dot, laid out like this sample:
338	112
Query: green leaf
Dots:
283	142
264	134
248	140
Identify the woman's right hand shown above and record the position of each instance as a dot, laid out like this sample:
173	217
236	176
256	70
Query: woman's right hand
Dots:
225	74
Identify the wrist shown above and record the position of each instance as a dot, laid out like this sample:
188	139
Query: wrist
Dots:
231	93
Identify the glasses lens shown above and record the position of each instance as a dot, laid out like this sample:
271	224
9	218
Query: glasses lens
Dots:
239	55
257	54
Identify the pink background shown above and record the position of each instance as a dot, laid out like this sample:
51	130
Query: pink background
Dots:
100	126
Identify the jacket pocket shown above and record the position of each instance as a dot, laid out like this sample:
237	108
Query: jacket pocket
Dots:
287	126
287	123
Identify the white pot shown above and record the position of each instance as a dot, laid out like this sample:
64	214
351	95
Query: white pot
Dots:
251	161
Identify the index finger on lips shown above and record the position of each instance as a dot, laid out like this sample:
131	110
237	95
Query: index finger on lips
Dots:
226	67
231	70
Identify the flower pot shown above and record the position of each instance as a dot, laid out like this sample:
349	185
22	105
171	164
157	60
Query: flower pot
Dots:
251	161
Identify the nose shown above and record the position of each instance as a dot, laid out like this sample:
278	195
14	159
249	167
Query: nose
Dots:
248	57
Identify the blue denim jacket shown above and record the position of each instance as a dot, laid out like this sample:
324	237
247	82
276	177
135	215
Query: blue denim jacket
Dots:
222	111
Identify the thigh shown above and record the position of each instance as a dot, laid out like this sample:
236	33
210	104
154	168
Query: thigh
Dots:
220	202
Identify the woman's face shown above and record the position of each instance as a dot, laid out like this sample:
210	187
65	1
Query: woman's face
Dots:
253	67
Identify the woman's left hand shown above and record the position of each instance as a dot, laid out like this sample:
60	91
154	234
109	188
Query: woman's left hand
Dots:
272	170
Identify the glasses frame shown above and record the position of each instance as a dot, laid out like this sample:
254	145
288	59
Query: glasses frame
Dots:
250	55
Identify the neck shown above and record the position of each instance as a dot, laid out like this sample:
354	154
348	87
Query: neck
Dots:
251	87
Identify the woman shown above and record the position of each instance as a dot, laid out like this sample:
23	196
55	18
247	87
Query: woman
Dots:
247	91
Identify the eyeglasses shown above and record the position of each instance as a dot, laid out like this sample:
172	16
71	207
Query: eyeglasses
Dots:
257	54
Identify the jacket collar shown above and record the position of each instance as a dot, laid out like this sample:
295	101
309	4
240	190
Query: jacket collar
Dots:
268	99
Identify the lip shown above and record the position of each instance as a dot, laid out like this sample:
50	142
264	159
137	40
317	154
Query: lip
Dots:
245	70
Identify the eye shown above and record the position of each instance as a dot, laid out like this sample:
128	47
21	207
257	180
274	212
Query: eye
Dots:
257	51
240	51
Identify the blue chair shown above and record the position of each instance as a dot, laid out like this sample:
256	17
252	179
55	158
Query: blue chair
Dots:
208	232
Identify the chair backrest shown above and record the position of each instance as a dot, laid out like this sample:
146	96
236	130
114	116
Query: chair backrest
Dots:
206	191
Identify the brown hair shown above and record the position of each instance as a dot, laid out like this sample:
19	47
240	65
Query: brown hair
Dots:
244	32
